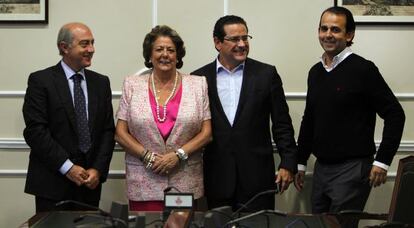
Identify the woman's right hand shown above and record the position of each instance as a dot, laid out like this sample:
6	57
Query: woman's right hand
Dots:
164	164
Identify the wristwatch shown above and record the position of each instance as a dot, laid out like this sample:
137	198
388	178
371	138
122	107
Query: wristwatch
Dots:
181	154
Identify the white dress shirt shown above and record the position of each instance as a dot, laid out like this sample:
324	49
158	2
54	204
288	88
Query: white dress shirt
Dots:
228	88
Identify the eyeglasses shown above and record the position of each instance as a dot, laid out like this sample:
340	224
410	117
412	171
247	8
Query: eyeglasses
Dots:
236	39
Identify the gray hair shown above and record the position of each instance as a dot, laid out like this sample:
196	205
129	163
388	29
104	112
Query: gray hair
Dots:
65	35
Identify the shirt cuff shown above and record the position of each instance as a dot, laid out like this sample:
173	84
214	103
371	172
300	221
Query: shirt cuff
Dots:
301	167
65	167
381	165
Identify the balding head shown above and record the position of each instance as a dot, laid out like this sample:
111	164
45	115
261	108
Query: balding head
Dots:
66	33
76	45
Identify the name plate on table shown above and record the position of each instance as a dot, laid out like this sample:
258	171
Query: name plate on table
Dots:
179	200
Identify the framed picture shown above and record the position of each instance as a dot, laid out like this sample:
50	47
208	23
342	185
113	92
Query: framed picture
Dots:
23	11
380	11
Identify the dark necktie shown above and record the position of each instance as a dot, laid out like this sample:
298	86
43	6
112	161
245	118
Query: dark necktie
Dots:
81	118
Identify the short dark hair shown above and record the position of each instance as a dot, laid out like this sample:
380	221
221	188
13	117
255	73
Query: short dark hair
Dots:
226	20
350	22
158	31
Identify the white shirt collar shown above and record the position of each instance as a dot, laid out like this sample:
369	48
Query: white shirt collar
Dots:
69	72
220	66
337	59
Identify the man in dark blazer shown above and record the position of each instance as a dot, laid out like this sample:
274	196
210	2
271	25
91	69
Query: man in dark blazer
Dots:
60	166
244	93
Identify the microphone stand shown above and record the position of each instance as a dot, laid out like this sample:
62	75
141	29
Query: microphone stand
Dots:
274	212
272	191
113	220
88	206
103	213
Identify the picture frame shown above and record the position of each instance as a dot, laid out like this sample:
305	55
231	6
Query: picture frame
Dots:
23	11
381	12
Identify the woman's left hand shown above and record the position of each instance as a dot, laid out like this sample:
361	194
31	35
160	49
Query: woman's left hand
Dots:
165	163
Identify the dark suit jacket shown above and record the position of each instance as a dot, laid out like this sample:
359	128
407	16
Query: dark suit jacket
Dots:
243	152
51	131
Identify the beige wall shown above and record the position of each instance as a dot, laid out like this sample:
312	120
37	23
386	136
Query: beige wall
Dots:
284	34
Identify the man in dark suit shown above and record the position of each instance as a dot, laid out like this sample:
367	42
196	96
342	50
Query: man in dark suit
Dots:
69	126
244	93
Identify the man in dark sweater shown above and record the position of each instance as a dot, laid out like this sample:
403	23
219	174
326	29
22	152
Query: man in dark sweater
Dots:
345	92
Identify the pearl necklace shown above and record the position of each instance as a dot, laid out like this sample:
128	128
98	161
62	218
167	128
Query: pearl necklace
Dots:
164	117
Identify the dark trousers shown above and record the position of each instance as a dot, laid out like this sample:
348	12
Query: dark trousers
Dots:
340	187
261	203
241	198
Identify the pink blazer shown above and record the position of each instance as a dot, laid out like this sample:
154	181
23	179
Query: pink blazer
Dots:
134	107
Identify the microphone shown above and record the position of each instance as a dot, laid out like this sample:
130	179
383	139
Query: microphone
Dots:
235	221
295	222
85	205
102	214
272	191
113	220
